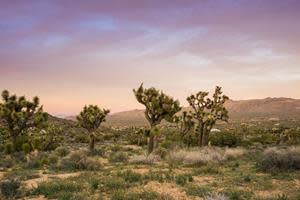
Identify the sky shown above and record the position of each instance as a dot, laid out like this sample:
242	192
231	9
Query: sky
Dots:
73	53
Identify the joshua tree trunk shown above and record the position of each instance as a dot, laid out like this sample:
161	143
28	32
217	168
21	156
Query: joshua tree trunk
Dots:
205	138
92	142
14	142
200	135
151	144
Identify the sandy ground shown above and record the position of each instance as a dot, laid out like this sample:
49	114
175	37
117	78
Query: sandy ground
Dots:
33	183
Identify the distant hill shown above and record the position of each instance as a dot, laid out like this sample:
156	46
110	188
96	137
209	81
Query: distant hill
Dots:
267	109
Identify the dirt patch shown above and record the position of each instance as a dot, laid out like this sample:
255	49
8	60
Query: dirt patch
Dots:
203	180
133	147
103	161
33	183
141	170
268	193
36	198
2	175
169	189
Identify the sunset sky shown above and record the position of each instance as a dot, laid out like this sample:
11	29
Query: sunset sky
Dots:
72	53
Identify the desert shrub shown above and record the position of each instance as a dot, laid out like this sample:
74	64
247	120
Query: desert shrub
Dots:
160	176
7	162
9	188
238	195
36	143
224	139
8	148
115	184
37	160
78	160
183	179
81	138
265	138
233	153
58	189
202	156
26	148
279	159
199	191
118	157
53	159
216	197
62	151
207	169
130	176
161	152
144	159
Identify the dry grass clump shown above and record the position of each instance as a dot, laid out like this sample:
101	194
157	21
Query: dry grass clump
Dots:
275	158
202	156
78	160
144	159
216	197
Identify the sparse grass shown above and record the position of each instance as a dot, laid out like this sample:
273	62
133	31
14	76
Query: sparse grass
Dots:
144	159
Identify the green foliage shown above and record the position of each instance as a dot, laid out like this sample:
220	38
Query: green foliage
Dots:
58	189
62	151
206	112
224	139
8	148
130	176
199	191
26	148
183	179
9	188
91	117
18	114
158	105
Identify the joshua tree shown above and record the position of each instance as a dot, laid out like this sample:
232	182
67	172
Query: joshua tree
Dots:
91	118
158	106
18	115
185	123
207	112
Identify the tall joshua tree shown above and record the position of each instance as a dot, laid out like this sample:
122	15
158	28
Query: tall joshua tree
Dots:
207	112
185	123
18	115
158	106
91	118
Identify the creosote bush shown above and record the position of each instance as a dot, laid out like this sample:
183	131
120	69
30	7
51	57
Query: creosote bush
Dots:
280	159
9	188
118	157
78	160
62	151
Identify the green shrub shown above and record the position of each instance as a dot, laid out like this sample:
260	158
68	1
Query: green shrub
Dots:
9	188
26	148
82	138
115	184
37	160
130	176
183	179
62	151
118	157
8	148
199	191
223	139
58	189
276	159
36	143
